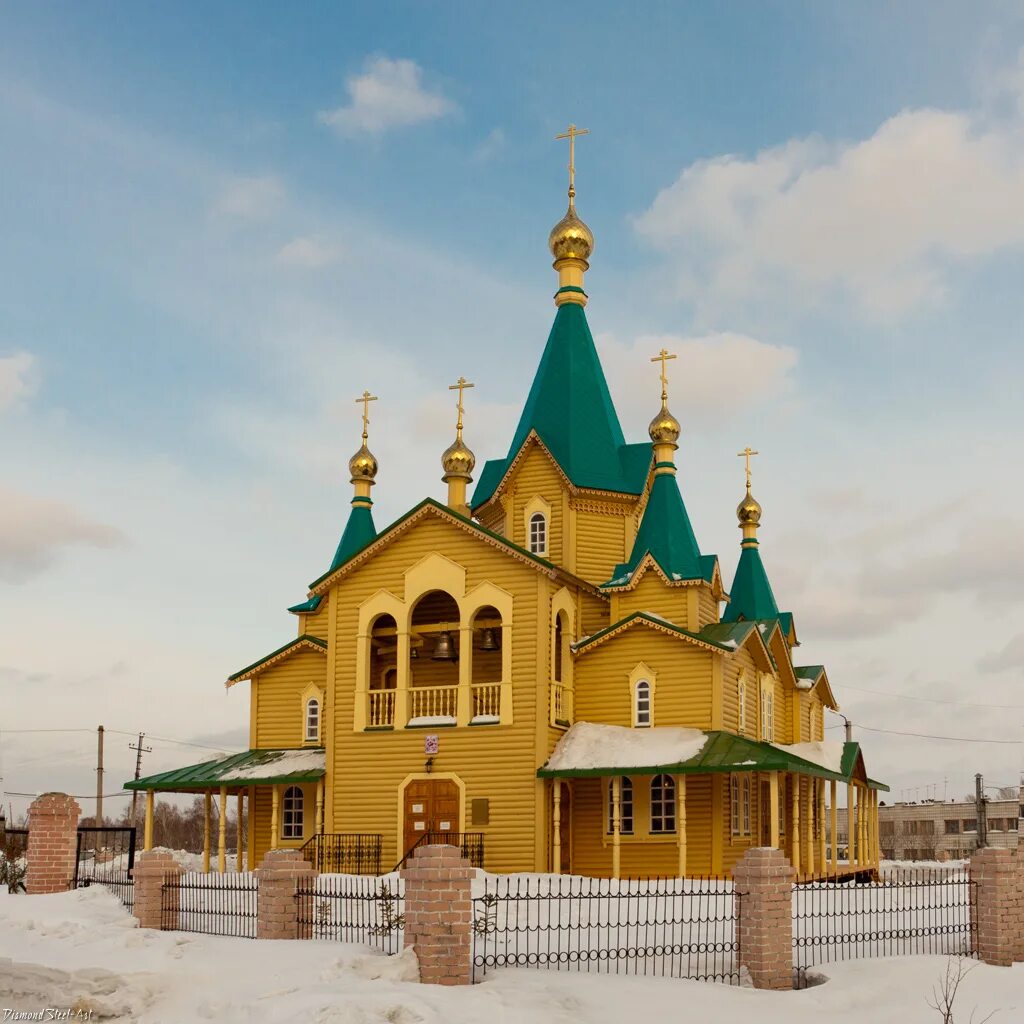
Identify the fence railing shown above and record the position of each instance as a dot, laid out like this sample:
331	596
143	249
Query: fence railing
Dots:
345	853
674	927
367	910
561	705
470	844
210	904
106	856
918	911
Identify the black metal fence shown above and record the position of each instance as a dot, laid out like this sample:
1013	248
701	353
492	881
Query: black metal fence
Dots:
345	853
918	911
470	844
673	927
210	904
367	910
106	856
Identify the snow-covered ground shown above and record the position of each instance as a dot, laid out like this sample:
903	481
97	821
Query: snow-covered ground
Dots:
82	948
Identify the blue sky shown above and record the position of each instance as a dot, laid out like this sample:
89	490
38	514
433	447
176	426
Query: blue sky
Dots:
221	222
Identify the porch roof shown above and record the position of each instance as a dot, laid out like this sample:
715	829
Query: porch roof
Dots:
251	768
591	749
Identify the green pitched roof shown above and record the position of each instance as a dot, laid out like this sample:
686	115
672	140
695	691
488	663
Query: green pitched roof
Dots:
306	640
251	768
666	535
359	531
570	409
751	594
309	605
811	672
653	620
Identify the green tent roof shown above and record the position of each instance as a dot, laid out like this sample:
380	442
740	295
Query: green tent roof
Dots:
751	594
666	535
359	531
251	768
570	409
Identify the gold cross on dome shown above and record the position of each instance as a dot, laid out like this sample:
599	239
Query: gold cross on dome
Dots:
746	454
460	385
571	135
365	401
663	357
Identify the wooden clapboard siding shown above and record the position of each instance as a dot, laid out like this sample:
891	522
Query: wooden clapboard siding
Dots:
707	607
683	680
279	715
805	716
493	518
315	623
732	666
594	614
600	544
652	595
498	763
536	476
261	810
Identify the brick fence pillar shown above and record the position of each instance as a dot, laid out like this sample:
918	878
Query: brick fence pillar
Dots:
277	909
50	855
1018	954
996	905
764	887
151	869
439	914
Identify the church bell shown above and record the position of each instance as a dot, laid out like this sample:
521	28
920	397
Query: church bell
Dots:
444	650
488	640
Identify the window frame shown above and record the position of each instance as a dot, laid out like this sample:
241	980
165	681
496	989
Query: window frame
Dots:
533	545
741	704
663	807
740	805
626	799
293	813
314	736
647	721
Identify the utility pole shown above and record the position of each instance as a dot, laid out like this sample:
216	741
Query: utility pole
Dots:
981	811
849	730
139	751
99	776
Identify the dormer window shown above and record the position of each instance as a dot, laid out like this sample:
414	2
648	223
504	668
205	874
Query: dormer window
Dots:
312	720
538	534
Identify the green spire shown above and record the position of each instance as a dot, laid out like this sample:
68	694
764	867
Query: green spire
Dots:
751	596
666	535
359	531
571	410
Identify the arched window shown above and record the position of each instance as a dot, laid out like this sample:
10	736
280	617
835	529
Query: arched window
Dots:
741	703
291	822
642	705
625	807
312	719
538	534
663	804
558	648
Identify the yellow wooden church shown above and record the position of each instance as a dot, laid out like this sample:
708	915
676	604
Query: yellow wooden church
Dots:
548	672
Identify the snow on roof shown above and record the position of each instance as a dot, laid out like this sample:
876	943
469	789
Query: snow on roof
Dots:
288	762
828	754
587	746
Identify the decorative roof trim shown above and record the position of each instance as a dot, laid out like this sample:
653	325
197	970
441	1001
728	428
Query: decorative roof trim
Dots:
649	561
645	619
313	643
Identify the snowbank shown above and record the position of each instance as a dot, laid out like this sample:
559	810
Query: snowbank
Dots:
587	746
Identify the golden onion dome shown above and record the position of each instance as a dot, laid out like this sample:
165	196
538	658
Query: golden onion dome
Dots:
748	511
363	465
458	460
570	238
664	428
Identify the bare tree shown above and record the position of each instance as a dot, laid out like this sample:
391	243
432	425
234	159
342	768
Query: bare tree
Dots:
945	990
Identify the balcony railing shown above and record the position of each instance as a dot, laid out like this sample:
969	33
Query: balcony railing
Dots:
476	704
486	707
382	709
433	703
561	705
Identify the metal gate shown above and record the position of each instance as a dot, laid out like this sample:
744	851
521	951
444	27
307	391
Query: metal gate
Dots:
106	856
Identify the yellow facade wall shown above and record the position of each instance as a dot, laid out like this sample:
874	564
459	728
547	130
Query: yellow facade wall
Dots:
279	717
600	544
316	623
652	594
536	476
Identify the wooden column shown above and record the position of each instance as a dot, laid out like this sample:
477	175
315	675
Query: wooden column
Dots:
794	803
207	802
863	853
822	863
250	802
616	824
222	832
403	682
275	813
147	841
773	810
681	822
464	697
851	818
239	835
834	822
320	806
807	853
556	826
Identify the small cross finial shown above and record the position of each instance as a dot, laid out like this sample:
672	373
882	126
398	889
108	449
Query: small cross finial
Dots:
460	385
365	399
571	134
663	357
746	454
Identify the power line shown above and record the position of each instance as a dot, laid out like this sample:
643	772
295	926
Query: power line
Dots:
122	732
936	700
74	796
931	736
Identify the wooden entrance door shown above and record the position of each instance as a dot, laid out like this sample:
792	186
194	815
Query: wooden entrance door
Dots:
431	805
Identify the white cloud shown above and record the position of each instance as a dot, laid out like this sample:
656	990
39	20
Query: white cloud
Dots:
33	530
17	379
491	146
307	253
252	198
388	94
1011	656
881	220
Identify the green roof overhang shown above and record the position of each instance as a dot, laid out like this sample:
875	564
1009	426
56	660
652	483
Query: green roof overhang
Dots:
725	752
314	643
251	768
645	618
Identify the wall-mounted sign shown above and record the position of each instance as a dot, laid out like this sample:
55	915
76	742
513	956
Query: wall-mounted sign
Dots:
430	744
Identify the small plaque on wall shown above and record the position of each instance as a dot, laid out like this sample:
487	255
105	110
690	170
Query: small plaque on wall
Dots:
480	811
430	744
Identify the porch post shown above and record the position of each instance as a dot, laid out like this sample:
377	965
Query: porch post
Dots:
807	853
320	806
239	841
863	811
250	831
681	822
275	810
834	816
464	697
207	801
402	683
556	826
222	832
616	823
147	841
822	865
794	803
851	818
773	810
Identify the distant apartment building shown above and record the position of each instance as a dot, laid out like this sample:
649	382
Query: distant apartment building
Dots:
933	830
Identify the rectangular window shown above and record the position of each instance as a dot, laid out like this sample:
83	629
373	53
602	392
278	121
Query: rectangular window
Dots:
739	804
927	827
625	807
741	713
767	715
952	827
885	828
663	805
970	825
